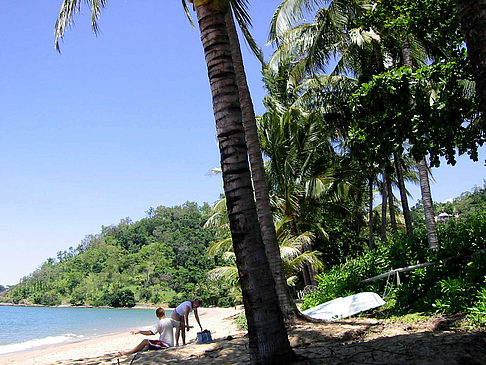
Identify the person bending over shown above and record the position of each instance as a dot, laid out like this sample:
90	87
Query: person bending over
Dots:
181	314
164	326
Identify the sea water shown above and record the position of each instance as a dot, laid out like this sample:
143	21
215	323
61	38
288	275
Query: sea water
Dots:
27	328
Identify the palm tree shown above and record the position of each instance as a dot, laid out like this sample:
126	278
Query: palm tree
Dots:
398	162
291	248
268	342
422	166
287	304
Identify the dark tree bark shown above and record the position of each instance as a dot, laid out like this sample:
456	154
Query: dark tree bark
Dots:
428	205
391	205
269	236
383	207
268	341
371	241
403	194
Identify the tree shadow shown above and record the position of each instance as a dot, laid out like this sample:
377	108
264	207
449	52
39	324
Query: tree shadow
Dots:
364	344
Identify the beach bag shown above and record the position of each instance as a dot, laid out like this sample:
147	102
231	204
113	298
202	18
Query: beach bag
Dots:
204	337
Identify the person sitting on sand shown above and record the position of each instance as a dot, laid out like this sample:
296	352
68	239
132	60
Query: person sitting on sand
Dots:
164	326
181	314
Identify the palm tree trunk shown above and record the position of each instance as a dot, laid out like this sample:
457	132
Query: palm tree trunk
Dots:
423	170
371	242
391	205
403	194
472	15
383	207
428	205
267	226
268	341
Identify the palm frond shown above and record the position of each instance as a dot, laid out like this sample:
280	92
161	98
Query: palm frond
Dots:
289	14
220	247
65	19
69	8
187	12
227	273
311	258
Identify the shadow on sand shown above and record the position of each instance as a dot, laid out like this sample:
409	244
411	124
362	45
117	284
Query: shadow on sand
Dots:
340	342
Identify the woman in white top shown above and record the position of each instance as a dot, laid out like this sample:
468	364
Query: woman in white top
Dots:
181	314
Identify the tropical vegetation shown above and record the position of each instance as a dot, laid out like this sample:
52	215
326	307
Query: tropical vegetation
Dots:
361	100
158	259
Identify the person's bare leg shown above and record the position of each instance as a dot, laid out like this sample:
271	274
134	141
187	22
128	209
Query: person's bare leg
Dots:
178	332
142	346
178	329
183	330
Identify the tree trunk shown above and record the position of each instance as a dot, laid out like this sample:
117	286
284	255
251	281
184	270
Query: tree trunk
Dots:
268	341
472	15
383	207
403	194
428	205
371	241
423	170
391	205
267	226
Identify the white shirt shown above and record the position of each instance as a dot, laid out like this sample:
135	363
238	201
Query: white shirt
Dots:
181	308
164	327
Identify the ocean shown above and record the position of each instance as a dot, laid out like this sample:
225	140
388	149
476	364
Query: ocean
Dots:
27	328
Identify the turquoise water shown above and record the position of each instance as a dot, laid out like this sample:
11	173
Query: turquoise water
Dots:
25	328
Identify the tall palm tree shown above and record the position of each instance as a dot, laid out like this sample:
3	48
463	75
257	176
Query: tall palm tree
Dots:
268	342
398	162
287	304
422	166
384	199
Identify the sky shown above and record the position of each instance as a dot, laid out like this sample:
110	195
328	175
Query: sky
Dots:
115	124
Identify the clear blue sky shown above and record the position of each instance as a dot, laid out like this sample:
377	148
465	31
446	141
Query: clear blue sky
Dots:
114	125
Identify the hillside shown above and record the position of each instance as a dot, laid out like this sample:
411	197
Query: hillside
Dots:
159	259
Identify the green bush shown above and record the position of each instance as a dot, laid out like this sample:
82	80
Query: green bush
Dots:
241	322
455	295
477	313
449	286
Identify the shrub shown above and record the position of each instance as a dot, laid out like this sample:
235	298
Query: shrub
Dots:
241	322
477	314
449	286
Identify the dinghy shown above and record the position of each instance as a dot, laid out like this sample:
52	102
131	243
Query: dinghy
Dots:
345	307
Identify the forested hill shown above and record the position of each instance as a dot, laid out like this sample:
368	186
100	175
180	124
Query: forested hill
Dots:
159	259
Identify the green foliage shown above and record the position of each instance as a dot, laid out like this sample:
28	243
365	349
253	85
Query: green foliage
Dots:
454	284
241	322
402	105
160	259
477	314
120	298
455	295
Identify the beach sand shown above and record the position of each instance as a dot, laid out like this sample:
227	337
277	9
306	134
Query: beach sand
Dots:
101	350
435	341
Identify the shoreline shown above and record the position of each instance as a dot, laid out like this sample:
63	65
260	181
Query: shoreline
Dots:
220	321
141	306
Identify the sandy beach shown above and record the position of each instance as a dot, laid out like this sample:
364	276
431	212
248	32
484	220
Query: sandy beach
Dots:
437	340
220	321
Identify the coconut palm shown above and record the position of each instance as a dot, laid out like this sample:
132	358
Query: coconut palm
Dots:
291	248
268	342
422	166
287	304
